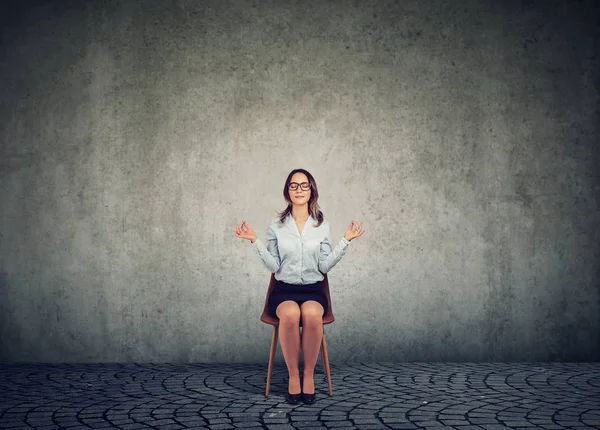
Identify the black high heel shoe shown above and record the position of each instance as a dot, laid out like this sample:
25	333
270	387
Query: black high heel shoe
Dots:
309	399
293	399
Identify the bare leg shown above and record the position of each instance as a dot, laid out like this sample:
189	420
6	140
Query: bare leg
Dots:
312	334
288	313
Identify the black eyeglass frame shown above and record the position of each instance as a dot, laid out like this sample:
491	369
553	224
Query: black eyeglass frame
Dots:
309	186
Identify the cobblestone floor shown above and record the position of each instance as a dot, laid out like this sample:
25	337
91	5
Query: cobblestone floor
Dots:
365	396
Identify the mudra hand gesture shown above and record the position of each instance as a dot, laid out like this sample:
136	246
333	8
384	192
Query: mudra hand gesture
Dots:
246	233
352	233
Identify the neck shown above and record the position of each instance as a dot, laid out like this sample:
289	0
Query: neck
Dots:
300	212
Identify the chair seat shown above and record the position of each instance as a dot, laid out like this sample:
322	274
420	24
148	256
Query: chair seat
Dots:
269	319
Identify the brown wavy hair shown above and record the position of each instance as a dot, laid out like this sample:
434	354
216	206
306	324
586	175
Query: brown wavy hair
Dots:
313	206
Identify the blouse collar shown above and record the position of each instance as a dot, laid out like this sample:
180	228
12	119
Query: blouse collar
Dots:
290	216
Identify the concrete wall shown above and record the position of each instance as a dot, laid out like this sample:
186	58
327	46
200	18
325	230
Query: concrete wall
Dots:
136	134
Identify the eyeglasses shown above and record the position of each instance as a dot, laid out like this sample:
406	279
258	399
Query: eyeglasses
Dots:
305	186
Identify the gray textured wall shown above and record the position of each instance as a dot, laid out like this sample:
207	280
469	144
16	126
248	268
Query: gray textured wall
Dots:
136	134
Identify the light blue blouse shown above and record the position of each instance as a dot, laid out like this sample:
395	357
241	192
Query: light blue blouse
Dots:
299	257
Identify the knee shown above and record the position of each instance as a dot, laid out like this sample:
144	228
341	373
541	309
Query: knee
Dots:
312	318
289	318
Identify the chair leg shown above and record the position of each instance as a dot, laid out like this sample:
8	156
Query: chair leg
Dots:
271	358
326	364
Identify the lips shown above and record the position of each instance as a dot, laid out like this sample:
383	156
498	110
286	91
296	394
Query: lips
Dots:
298	197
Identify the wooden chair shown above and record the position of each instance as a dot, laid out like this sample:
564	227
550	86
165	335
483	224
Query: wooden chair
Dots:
274	321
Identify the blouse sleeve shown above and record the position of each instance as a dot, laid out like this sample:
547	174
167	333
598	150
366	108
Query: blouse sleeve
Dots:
330	257
269	255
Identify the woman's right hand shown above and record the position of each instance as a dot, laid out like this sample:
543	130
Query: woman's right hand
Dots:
244	231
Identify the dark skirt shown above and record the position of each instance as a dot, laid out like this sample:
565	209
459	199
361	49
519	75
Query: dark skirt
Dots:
298	293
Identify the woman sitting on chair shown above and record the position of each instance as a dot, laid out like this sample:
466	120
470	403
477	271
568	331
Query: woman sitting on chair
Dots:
298	251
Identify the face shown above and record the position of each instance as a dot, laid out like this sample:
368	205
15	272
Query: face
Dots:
299	196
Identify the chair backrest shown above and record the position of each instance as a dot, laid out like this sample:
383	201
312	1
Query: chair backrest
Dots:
328	318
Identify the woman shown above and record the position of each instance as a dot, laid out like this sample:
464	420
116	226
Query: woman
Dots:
298	251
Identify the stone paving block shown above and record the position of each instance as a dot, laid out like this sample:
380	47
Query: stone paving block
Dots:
481	414
394	419
159	423
432	423
390	415
244	414
41	415
219	426
360	416
455	422
275	421
378	426
338	424
331	412
98	425
363	421
468	427
11	421
66	421
309	425
215	421
303	417
134	426
280	427
510	416
420	418
122	422
522	423
214	416
481	421
569	423
402	426
450	417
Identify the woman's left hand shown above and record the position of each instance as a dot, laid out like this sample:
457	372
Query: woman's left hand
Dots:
351	233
